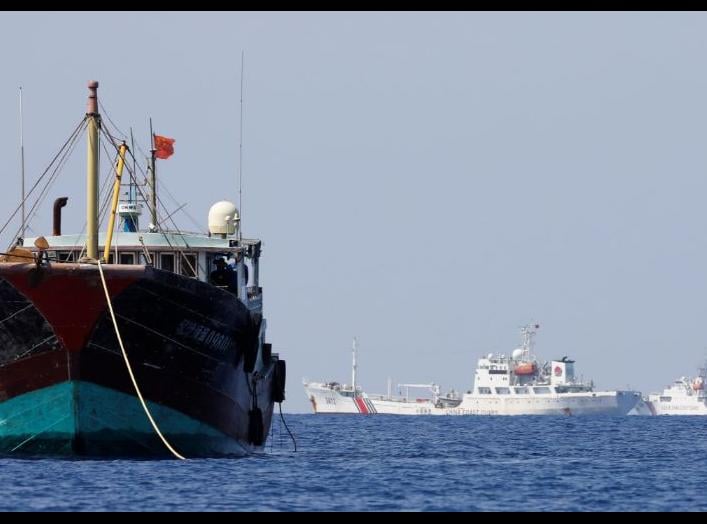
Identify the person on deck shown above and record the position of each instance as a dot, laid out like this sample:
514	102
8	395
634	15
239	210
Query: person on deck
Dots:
233	266
220	276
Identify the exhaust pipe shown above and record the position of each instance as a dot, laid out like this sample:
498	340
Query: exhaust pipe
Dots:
58	204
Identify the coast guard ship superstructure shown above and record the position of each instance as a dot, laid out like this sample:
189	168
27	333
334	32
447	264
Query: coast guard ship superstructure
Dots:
518	385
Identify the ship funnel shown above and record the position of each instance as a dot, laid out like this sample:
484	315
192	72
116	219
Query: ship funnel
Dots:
56	225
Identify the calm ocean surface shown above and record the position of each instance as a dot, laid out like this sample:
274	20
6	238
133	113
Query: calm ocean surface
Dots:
394	463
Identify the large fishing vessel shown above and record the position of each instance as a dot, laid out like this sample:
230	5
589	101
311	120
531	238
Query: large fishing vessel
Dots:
127	343
685	396
514	384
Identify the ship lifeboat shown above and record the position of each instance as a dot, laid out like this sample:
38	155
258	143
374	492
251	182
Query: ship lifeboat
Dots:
698	384
526	368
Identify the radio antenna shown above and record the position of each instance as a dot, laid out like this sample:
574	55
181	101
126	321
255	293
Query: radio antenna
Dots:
22	169
240	161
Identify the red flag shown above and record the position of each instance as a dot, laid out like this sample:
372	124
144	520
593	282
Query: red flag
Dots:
164	147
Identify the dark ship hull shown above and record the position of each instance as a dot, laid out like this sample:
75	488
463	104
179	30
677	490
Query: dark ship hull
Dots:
195	351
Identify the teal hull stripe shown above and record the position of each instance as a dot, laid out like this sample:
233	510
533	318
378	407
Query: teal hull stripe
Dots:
84	418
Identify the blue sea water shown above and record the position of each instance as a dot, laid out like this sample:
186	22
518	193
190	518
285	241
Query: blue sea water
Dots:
390	463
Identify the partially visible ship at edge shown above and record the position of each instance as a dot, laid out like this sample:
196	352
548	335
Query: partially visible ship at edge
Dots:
503	385
685	396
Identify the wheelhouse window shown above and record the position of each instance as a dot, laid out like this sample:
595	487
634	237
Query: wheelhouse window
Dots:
543	390
503	391
189	266
167	261
146	259
127	258
65	256
484	391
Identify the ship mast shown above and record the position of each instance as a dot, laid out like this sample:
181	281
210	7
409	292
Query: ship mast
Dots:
153	182
94	123
353	367
528	332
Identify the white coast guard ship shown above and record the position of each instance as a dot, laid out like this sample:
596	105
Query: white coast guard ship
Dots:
518	385
333	397
685	396
503	385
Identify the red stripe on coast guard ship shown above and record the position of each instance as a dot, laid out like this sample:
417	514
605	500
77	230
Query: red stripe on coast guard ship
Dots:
361	405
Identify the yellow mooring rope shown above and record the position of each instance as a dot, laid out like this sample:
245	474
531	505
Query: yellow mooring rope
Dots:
130	371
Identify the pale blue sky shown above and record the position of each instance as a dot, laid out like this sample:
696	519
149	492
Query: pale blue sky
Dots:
428	182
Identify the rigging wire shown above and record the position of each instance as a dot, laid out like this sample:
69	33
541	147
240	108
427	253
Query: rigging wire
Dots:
68	140
103	197
164	234
60	160
169	217
104	112
53	177
50	182
162	185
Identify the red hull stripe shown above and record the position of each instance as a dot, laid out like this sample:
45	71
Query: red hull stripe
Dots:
361	405
64	287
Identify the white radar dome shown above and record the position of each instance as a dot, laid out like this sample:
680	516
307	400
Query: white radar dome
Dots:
517	353
223	218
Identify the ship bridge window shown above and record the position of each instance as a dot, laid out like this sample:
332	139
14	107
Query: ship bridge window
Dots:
503	391
189	266
167	261
666	399
484	391
542	390
521	390
127	258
